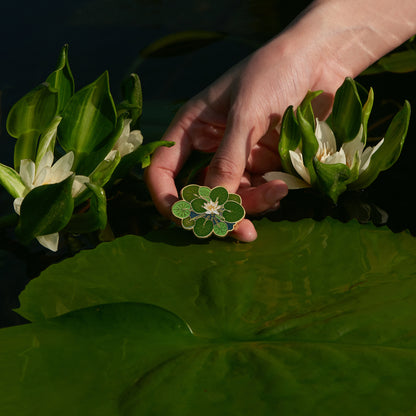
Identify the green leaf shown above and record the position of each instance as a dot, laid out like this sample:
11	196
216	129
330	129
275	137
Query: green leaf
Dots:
89	162
66	340
174	44
221	229
389	151
203	227
235	198
332	179
181	209
33	112
132	97
290	136
188	223
309	145
45	210
300	260
219	194
198	205
30	117
367	107
306	106
233	212
398	62
11	181
103	172
179	43
281	324
346	112
96	216
89	120
62	80
190	192
204	192
25	147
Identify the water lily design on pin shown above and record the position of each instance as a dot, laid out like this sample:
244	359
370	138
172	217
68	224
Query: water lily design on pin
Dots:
208	211
332	156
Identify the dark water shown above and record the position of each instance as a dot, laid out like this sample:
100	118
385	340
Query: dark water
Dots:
109	35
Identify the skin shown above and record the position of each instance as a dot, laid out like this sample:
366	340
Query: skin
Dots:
237	117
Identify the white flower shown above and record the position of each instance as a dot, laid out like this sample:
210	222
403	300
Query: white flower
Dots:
128	141
211	207
350	153
43	174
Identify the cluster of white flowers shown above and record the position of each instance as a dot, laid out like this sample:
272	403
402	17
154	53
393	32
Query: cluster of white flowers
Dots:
46	172
350	153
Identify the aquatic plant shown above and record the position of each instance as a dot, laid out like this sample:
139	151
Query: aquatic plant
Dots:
167	325
97	143
331	155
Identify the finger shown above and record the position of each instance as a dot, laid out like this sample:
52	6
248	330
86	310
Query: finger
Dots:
228	163
263	159
264	155
166	164
245	232
264	197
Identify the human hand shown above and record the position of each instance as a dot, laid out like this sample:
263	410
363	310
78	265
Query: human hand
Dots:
237	116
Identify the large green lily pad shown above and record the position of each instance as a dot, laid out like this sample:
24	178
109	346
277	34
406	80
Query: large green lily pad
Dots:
312	318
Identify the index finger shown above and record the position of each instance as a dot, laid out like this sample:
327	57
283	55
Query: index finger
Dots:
229	162
166	164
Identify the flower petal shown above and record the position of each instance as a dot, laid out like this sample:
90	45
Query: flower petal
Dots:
111	155
126	129
325	137
135	138
50	241
337	157
291	181
42	176
62	168
367	154
17	203
78	185
27	172
124	136
125	148
46	160
354	146
297	162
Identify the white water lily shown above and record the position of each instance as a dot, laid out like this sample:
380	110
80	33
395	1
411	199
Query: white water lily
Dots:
350	154
128	141
46	173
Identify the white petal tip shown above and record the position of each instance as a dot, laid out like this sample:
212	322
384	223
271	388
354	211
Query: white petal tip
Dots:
291	181
50	241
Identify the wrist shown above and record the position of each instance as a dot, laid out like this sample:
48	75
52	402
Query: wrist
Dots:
353	34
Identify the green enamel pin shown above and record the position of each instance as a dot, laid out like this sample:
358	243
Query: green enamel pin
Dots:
208	211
